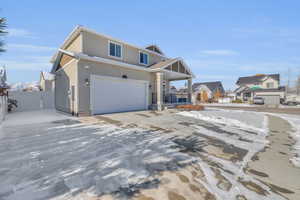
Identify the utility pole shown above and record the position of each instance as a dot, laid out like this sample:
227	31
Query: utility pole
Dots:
298	85
288	82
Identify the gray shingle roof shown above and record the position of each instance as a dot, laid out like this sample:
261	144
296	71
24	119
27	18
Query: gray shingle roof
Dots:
256	78
211	85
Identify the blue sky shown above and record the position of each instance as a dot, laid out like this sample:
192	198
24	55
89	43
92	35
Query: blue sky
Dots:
219	39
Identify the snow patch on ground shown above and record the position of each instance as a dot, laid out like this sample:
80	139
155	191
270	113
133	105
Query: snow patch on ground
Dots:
244	119
237	188
34	117
243	129
230	104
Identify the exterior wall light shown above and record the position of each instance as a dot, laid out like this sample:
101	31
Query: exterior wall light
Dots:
87	82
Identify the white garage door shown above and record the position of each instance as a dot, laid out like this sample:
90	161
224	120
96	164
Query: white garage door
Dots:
110	94
271	99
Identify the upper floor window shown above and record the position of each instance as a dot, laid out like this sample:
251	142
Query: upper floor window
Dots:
144	58
270	85
115	50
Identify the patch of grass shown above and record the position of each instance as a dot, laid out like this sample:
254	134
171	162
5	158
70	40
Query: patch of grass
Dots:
175	196
183	178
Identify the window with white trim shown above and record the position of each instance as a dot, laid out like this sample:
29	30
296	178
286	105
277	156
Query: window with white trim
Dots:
144	58
270	85
115	50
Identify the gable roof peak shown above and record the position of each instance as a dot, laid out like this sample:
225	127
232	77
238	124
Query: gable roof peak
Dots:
210	85
155	48
80	28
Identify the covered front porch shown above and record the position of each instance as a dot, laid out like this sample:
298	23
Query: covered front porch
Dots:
165	73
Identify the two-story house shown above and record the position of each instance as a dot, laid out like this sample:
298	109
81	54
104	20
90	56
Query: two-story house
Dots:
261	85
95	74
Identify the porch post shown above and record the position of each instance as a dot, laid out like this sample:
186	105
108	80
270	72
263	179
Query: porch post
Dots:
159	90
190	90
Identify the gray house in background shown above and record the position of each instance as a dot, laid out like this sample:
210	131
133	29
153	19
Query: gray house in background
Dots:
95	74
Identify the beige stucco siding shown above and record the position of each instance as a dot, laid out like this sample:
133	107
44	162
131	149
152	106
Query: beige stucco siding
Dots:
66	88
264	83
270	80
46	85
76	45
94	45
101	69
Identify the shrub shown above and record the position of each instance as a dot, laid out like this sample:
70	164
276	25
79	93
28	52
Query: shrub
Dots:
190	107
237	101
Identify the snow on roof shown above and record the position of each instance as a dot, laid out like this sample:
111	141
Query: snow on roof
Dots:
256	78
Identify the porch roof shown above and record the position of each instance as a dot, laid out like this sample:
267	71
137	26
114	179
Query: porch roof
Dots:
163	64
166	66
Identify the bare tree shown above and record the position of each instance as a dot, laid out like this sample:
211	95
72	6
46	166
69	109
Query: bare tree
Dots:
2	32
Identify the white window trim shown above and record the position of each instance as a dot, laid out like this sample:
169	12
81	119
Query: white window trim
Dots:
140	58
108	48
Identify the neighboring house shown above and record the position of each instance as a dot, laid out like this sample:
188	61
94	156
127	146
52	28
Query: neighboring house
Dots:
182	95
207	91
172	90
46	81
96	74
259	85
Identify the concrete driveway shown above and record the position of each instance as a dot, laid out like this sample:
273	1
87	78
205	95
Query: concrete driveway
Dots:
142	155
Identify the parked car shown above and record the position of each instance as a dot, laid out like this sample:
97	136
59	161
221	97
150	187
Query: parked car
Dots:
291	100
292	103
258	100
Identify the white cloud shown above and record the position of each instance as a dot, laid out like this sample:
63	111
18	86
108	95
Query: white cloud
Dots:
16	32
213	77
28	63
215	64
219	52
269	67
29	48
274	34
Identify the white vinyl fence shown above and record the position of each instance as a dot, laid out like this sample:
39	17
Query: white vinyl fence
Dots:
3	107
36	100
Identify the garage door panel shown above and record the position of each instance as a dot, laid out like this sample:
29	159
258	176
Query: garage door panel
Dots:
271	99
117	95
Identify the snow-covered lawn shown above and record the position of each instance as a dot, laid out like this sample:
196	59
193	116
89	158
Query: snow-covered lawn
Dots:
64	157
